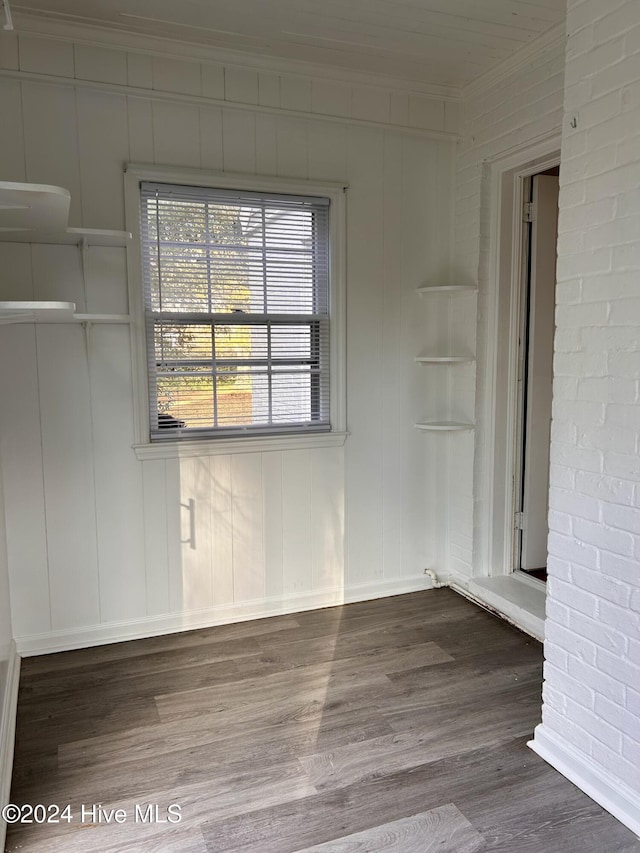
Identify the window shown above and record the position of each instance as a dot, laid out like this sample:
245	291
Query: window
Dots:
236	291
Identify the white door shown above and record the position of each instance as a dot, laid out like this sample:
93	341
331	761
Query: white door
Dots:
539	373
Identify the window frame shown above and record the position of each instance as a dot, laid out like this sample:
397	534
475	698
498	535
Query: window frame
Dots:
144	448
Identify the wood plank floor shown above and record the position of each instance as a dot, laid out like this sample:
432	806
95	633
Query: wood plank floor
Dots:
393	725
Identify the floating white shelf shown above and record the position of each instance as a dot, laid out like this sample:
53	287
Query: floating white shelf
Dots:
39	213
36	312
448	288
444	426
443	359
52	312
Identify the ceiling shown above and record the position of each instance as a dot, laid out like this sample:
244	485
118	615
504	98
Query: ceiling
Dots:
444	42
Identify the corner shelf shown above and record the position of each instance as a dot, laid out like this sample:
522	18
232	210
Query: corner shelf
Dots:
448	288
444	426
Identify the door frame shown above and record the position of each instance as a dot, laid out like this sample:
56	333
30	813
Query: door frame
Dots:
497	414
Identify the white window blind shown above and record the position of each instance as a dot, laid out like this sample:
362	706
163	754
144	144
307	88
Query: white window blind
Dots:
236	291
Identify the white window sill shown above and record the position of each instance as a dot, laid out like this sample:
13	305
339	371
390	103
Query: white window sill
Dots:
217	447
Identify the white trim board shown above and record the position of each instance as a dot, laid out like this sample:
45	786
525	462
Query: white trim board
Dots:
496	409
516	600
171	623
611	794
7	731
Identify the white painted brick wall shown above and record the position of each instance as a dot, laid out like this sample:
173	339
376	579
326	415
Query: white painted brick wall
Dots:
592	673
514	111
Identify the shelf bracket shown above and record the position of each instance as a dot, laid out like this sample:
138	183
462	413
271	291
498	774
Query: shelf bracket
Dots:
8	22
83	245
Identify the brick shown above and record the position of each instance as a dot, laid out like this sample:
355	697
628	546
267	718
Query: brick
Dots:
607	439
569	501
618	541
608	389
623	569
596	679
604	488
571	596
605	636
618	668
626	518
622	465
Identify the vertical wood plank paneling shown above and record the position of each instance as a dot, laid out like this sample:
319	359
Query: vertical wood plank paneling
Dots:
394	428
50	140
140	116
268	89
248	533
296	521
295	93
46	56
266	145
399	108
364	366
273	531
331	98
327	518
176	75
100	63
211	138
155	537
195	498
292	148
102	137
106	280
22	468
241	85
118	478
68	455
239	141
9	55
420	334
175	534
176	133
16	281
327	151
371	104
139	70
57	274
221	530
266	524
11	134
212	81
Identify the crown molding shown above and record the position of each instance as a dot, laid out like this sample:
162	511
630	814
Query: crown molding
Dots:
64	28
552	38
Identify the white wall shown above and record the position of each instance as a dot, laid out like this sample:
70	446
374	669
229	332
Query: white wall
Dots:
6	632
591	714
94	537
9	672
514	106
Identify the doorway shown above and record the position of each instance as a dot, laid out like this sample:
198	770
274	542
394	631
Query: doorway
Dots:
535	373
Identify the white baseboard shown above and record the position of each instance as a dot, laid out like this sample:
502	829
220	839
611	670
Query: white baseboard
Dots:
610	793
8	731
151	626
